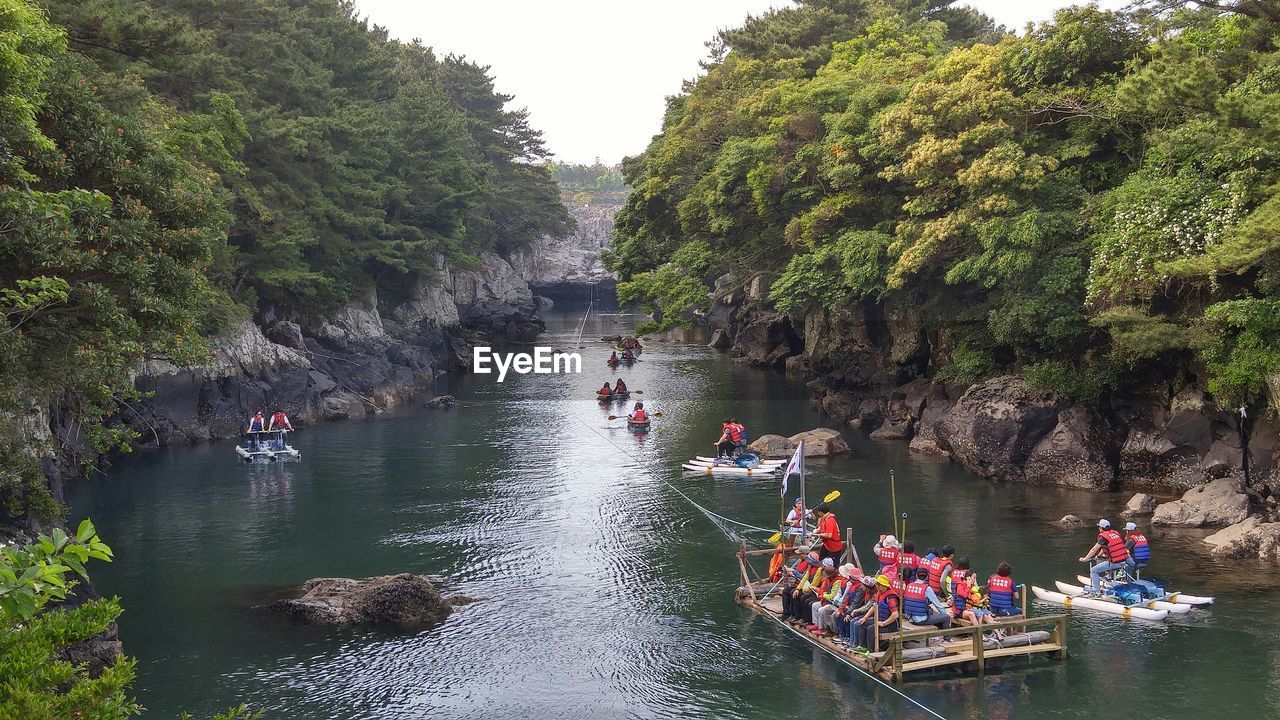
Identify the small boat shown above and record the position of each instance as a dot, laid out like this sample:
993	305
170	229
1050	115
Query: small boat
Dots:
754	466
271	450
1172	607
729	470
705	459
1174	597
1112	608
612	396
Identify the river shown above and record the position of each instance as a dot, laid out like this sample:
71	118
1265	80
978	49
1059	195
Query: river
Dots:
603	591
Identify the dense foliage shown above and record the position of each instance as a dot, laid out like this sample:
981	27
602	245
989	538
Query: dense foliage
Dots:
166	167
594	178
1083	203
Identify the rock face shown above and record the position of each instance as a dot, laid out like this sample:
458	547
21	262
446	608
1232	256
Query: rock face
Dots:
404	600
573	260
1220	502
366	356
767	340
819	442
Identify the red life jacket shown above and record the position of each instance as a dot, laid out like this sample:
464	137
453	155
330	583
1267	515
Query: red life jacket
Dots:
279	420
638	415
897	585
936	568
1116	550
604	390
910	560
735	434
960	590
888	558
959	575
1001	589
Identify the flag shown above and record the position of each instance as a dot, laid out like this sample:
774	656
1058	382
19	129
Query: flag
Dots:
796	466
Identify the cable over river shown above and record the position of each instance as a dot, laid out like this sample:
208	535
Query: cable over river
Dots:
603	591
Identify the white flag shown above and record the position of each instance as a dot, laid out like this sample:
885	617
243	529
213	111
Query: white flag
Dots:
796	466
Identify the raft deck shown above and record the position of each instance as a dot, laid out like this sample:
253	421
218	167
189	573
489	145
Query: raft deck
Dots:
912	649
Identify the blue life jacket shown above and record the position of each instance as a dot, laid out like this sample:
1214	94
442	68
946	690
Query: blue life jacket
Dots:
883	609
1141	549
1001	593
914	602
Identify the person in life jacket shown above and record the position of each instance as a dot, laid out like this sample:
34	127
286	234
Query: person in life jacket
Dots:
1003	592
256	425
605	391
1111	552
279	423
797	523
829	531
739	434
778	562
818	586
626	355
921	605
638	415
620	387
940	571
797	581
1139	549
883	615
727	442
889	555
909	561
961	586
613	358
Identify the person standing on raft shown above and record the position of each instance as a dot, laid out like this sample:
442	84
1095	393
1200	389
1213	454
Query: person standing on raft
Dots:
829	532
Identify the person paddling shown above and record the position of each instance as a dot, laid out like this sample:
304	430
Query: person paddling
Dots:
613	358
620	387
829	532
796	522
604	391
638	415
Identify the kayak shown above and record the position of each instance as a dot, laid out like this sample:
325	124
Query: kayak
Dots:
642	426
1113	608
1172	607
728	470
1173	597
612	396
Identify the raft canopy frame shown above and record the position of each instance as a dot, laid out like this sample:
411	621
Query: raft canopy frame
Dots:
966	651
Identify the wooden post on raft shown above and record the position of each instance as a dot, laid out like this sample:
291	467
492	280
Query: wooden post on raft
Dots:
742	567
978	652
893	494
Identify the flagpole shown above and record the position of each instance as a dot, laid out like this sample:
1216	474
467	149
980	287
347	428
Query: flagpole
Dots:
804	504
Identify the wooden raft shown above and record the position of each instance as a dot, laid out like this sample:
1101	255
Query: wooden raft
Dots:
966	650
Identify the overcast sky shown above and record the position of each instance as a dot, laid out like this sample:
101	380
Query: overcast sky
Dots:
594	73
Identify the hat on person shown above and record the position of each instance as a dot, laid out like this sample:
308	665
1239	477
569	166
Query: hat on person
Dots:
883	580
851	571
799	500
828	563
889	541
1104	523
1130	526
813	555
867	580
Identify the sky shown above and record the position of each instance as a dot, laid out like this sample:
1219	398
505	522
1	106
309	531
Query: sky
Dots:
594	74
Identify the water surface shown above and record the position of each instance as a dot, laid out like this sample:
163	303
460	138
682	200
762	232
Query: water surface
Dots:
604	592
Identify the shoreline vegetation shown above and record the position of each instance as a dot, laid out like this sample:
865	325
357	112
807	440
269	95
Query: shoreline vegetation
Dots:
1051	257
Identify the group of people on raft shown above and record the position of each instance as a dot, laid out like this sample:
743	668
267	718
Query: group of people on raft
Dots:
279	422
841	602
627	356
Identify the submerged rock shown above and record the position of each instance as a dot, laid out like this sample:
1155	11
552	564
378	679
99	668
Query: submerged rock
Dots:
405	600
441	402
1071	521
1220	502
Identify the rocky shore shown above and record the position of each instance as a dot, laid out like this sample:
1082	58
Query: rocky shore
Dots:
872	367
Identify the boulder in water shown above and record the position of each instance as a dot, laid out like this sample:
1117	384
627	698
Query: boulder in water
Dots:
1248	539
405	600
819	442
1139	504
1220	502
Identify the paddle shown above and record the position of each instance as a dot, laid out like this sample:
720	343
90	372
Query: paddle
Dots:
653	414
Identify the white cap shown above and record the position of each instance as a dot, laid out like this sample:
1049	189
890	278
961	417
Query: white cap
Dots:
889	541
828	562
1104	523
1130	526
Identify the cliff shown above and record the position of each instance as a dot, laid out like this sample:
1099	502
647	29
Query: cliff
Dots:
872	367
551	265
